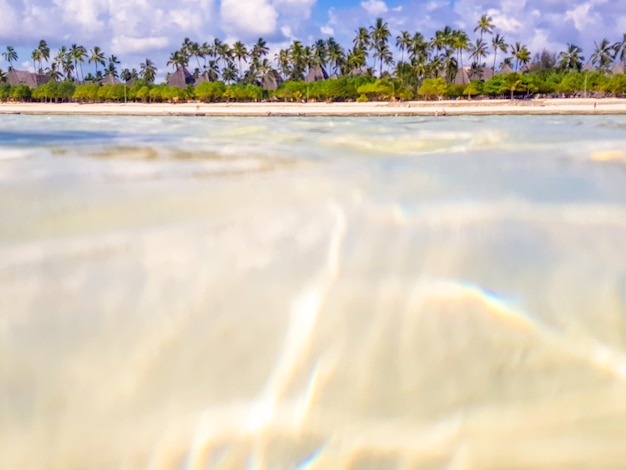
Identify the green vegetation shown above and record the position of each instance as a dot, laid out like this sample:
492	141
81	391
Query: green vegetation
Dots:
426	69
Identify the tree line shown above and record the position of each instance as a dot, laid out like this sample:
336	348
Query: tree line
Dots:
431	62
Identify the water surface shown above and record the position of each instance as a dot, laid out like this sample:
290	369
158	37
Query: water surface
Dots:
316	293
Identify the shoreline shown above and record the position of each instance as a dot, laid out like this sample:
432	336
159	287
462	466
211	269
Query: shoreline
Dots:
564	106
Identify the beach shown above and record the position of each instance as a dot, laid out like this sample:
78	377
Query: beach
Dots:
409	108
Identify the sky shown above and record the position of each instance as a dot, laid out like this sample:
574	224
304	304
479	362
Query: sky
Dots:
136	29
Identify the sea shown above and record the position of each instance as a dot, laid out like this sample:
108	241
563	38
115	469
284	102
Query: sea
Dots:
312	293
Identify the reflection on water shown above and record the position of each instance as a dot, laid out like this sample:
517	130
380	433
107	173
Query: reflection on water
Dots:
187	293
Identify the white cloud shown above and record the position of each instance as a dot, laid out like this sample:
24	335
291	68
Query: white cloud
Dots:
327	30
580	16
505	23
83	13
375	7
9	17
185	19
128	45
540	40
397	9
249	18
332	16
297	3
286	31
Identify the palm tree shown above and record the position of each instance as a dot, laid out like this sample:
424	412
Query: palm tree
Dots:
97	57
68	66
450	65
336	54
148	71
571	59
356	59
284	62
362	39
442	39
620	52
603	55
420	68
73	55
240	53
260	49
263	70
36	57
478	51
45	51
460	42
499	44
521	54
10	56
177	60
320	53
186	48
403	41
59	59
223	52
3	76
384	56
53	72
485	25
111	68
213	71
298	58
195	50
206	50
126	75
380	43
229	73
418	48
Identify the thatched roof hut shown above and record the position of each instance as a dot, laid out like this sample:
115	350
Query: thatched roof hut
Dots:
109	79
22	77
271	80
316	74
181	78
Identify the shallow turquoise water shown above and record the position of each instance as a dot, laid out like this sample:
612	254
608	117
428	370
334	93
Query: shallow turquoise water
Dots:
312	292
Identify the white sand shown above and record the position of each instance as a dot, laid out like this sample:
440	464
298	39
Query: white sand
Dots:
431	108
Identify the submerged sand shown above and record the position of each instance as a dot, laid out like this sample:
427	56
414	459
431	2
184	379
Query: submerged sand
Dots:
415	108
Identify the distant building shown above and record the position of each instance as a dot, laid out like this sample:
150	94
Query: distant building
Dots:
109	79
271	80
181	78
22	77
466	74
316	74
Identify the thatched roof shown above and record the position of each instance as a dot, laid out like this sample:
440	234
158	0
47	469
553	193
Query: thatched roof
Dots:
617	68
271	80
465	75
505	69
462	76
110	79
181	78
22	77
316	74
355	72
201	79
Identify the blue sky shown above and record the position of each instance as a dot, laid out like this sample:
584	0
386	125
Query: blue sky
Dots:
136	29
